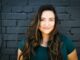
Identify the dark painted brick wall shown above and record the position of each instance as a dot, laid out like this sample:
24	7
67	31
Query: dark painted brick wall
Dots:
16	15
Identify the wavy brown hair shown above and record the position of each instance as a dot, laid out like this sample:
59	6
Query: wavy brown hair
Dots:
34	37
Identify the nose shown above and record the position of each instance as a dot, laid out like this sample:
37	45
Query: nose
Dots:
47	22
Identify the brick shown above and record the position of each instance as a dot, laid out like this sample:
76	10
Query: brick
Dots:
31	15
28	9
78	51
41	2
70	23
21	37
16	29
61	9
17	9
8	51
75	30
74	11
63	16
4	57
12	30
11	44
13	57
6	9
0	36
64	29
9	22
4	43
17	16
0	3
36	2
76	37
11	16
67	31
75	3
10	36
0	29
77	44
1	41
22	29
75	15
22	23
3	29
65	3
14	2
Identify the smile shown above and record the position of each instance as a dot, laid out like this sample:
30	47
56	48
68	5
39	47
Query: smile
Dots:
46	28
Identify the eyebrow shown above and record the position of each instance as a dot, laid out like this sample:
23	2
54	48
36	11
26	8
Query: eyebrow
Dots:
49	18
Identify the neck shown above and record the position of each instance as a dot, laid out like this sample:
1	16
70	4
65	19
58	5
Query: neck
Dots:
45	39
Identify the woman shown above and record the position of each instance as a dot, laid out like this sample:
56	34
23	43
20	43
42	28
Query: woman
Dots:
44	42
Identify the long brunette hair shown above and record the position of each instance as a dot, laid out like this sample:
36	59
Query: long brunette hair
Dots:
34	37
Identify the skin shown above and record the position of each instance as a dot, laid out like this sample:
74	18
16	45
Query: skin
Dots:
18	54
46	26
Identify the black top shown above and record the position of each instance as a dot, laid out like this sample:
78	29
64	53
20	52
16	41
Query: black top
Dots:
42	52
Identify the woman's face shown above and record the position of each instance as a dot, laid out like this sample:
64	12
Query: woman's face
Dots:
47	22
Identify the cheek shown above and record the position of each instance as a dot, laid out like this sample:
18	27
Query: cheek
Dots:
52	24
40	26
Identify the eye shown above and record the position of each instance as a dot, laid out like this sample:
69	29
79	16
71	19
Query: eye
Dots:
51	19
42	19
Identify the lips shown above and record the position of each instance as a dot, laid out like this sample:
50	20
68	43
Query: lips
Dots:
46	28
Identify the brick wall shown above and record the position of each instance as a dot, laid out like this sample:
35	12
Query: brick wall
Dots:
15	17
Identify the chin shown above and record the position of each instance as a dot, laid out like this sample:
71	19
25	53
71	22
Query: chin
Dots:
46	32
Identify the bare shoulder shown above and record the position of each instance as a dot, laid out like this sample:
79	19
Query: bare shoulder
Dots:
73	55
18	54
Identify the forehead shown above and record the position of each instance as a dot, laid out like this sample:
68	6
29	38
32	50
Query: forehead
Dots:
47	14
